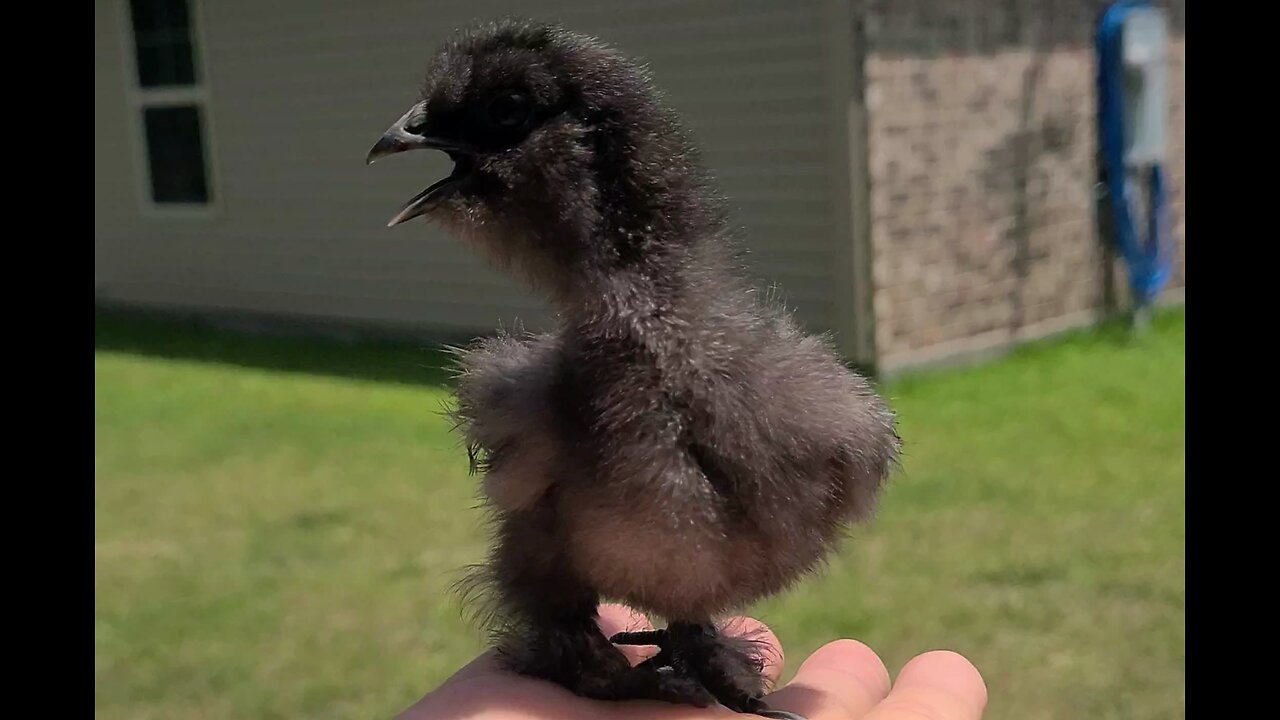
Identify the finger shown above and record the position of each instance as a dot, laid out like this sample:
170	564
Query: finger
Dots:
842	680
614	618
939	684
765	644
486	663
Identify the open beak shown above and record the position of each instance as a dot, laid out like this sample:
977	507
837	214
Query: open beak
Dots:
401	137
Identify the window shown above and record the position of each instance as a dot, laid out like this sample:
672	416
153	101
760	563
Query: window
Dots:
170	104
176	155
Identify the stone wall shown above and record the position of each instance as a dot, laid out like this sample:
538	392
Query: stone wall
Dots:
982	147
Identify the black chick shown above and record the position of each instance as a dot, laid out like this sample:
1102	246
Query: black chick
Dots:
677	443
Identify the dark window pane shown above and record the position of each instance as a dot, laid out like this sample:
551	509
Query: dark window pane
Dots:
175	151
162	34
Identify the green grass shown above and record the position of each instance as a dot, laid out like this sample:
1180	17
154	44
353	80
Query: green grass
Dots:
278	522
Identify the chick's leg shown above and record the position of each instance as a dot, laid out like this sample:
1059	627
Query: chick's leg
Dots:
728	669
549	624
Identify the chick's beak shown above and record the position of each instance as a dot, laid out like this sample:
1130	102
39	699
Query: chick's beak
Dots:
400	136
409	133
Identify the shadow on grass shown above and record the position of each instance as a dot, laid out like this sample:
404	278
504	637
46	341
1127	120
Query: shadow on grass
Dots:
426	363
125	331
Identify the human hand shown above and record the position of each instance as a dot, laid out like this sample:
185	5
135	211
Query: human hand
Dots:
842	680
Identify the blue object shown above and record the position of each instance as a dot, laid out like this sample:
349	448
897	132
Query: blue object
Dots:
1148	258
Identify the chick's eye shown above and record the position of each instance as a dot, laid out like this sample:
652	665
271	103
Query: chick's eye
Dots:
510	110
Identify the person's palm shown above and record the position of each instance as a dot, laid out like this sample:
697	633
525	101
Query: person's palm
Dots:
843	680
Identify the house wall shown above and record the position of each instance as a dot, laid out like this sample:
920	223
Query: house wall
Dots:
298	91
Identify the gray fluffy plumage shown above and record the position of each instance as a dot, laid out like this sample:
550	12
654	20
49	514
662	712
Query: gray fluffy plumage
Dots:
677	443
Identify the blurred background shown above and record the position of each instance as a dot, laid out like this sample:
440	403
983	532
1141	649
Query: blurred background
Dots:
281	509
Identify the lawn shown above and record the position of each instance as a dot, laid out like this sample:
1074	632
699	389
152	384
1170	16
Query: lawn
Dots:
278	522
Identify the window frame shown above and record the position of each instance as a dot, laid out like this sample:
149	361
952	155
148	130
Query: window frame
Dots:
139	99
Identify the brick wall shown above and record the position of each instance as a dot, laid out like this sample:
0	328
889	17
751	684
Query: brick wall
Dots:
981	141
